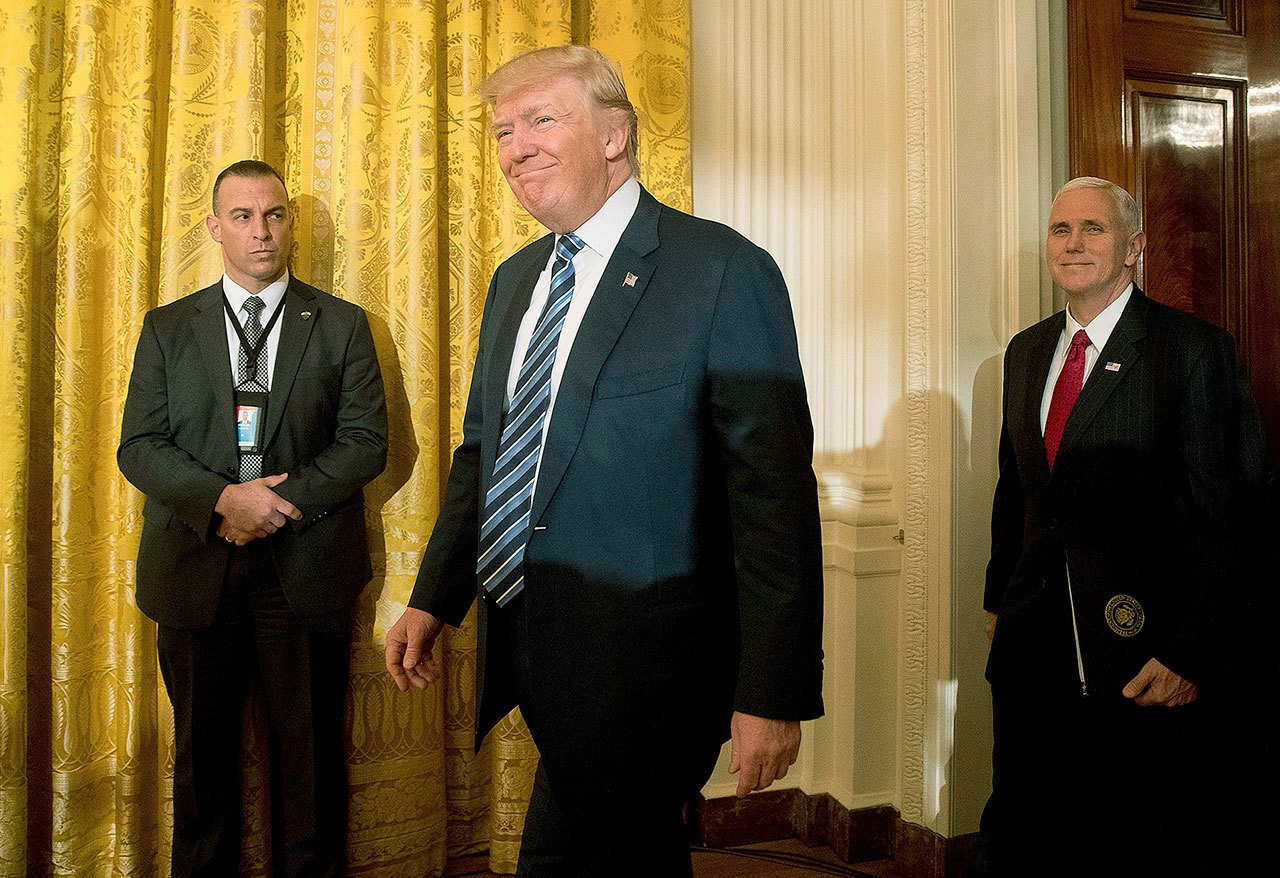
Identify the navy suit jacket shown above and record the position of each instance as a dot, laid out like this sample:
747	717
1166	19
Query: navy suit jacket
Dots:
674	568
326	427
1160	458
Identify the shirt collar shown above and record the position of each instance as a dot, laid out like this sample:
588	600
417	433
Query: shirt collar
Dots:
270	296
1101	327
602	232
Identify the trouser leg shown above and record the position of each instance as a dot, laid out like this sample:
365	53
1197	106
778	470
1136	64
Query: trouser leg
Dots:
206	673
303	665
621	836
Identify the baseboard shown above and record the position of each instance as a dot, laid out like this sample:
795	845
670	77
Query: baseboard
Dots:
855	835
919	852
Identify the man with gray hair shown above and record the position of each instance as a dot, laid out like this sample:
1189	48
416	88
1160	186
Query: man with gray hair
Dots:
633	500
1129	445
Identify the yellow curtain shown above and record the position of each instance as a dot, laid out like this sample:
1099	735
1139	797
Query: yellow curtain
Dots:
114	117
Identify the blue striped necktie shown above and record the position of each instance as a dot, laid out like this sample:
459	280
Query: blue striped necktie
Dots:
504	530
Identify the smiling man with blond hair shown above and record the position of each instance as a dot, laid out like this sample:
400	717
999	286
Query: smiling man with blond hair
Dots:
633	503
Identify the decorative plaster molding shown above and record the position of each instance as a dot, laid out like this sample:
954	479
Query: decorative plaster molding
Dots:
914	641
860	527
931	412
855	496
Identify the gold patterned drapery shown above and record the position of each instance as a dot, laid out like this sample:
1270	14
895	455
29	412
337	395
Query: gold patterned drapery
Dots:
115	115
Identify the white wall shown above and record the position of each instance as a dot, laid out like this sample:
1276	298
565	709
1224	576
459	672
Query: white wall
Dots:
895	157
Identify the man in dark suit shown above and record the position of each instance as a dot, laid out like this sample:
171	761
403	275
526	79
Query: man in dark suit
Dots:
633	496
1129	449
254	418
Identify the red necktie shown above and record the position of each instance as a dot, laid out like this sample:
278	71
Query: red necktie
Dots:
1064	394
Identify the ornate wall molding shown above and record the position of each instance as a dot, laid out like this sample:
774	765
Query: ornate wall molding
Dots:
928	435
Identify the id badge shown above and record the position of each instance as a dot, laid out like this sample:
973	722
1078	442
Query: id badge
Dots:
251	417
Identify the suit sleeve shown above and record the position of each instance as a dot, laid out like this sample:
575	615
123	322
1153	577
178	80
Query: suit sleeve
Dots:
358	452
148	456
446	582
1007	512
761	423
1221	447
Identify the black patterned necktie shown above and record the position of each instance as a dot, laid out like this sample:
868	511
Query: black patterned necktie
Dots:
508	503
252	376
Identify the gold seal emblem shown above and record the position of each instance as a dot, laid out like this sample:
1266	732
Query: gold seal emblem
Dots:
1124	615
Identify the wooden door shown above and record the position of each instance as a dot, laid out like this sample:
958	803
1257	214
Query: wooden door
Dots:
1179	102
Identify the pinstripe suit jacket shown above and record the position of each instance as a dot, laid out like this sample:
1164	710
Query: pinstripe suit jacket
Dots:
1161	449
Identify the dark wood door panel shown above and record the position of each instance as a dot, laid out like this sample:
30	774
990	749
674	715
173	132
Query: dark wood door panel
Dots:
1262	340
1095	91
1179	100
1213	15
1166	49
1188	180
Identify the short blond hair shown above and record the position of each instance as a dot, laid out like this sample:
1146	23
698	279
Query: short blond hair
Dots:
1126	207
600	78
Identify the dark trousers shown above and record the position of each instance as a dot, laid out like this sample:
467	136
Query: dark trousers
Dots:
619	837
1087	786
302	666
575	833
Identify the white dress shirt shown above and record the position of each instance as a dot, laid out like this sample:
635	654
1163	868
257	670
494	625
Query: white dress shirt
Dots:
1099	330
600	236
270	297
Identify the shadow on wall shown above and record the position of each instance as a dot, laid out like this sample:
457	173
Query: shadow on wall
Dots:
312	217
975	481
962	779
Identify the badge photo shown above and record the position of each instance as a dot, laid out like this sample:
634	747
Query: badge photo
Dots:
251	417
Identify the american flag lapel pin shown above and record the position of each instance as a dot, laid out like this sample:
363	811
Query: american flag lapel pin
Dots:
629	280
1112	366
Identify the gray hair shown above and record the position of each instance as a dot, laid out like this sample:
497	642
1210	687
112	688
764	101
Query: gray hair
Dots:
1126	208
599	76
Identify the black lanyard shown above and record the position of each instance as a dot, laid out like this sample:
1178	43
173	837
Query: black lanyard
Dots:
252	351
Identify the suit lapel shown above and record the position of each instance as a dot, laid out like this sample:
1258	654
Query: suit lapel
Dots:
1123	348
209	324
498	367
301	312
1043	347
621	286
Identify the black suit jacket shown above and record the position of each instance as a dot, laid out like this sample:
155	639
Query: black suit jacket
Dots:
326	427
1158	458
674	568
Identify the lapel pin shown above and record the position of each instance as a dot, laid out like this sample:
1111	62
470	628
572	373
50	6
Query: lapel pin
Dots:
630	280
1113	366
306	315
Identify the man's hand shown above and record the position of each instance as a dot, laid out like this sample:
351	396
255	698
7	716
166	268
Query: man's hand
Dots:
253	508
761	750
409	643
1157	685
231	535
991	625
